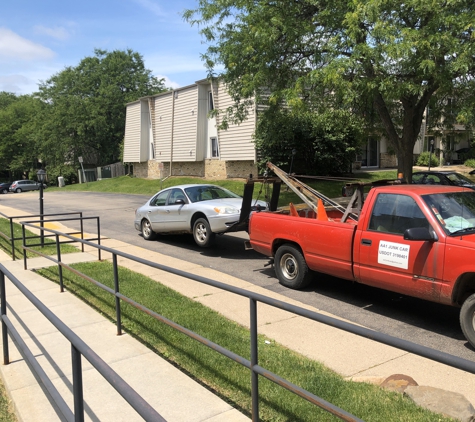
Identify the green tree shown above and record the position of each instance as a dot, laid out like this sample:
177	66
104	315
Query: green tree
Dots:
382	59
18	152
317	144
85	107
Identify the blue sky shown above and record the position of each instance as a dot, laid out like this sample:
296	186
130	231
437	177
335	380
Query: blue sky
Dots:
39	38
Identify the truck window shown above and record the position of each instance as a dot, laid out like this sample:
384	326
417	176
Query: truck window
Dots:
455	211
394	213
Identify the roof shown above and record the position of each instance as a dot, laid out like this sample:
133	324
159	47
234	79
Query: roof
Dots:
424	189
436	172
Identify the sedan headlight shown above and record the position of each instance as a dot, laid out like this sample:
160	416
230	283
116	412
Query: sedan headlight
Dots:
226	210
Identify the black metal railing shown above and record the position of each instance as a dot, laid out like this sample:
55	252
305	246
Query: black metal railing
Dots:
254	299
78	349
11	236
59	238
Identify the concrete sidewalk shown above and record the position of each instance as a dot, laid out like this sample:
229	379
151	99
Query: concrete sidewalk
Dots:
170	392
173	394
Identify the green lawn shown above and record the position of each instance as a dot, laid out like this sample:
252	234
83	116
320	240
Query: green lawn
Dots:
226	378
127	184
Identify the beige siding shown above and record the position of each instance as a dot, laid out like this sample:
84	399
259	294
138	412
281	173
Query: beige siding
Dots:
202	123
162	131
235	143
132	134
185	124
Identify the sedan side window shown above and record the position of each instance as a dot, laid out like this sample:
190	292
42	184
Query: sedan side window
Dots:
160	200
396	213
434	179
175	195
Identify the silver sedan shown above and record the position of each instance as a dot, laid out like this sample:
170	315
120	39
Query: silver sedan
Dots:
202	210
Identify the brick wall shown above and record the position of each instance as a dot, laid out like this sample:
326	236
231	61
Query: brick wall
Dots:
209	169
241	169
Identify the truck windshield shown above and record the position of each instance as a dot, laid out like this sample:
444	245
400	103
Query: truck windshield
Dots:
455	211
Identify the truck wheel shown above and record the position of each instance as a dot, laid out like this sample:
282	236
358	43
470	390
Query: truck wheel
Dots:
467	319
202	233
291	268
147	232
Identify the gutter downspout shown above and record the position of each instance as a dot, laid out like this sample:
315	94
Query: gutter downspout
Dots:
151	126
172	131
216	107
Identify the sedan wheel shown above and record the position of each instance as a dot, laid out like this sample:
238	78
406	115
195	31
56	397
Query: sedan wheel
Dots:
18	190
202	233
4	190
147	232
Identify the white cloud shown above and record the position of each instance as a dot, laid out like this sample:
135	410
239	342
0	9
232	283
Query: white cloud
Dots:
60	33
13	46
15	83
153	7
167	82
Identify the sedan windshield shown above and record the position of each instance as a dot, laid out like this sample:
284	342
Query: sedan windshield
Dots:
458	179
208	192
455	211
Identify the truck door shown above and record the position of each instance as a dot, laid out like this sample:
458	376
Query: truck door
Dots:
384	259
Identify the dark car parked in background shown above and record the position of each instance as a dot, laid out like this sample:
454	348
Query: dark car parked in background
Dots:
450	178
5	187
25	185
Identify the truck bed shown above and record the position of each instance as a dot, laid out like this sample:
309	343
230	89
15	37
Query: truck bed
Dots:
327	245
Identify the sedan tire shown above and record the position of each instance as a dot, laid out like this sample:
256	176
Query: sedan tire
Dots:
147	232
291	268
4	191
202	233
18	190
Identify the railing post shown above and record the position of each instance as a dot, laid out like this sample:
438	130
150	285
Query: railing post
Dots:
3	298
77	385
254	361
116	289
12	237
98	238
60	267
82	231
25	266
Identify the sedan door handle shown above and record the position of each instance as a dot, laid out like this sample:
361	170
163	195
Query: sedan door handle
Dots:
366	242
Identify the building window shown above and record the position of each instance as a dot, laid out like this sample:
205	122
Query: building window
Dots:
214	147
210	101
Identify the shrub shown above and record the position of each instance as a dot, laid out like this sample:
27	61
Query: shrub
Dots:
423	159
470	162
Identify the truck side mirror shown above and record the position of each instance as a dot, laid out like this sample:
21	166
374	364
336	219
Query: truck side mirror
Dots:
420	233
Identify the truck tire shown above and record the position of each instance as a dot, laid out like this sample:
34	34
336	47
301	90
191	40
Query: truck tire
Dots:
467	319
291	268
147	232
202	233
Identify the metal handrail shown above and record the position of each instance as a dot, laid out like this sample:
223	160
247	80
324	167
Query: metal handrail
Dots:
254	298
12	238
78	348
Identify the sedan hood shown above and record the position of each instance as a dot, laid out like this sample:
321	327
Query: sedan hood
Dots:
231	202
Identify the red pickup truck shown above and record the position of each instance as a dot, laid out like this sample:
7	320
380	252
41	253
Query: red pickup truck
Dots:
417	240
